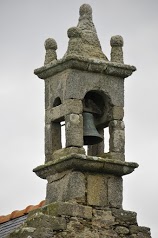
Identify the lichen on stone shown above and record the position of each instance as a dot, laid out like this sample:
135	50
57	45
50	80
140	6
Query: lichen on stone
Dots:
83	38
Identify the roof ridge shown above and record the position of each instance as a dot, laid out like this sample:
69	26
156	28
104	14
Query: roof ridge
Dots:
19	213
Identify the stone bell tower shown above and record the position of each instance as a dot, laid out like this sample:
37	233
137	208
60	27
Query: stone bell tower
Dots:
84	91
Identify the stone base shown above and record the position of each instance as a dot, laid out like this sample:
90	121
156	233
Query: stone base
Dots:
85	188
70	220
87	180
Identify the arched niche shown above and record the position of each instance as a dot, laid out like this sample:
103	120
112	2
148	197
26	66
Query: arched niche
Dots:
99	105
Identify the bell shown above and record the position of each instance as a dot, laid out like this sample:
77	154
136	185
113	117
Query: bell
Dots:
90	133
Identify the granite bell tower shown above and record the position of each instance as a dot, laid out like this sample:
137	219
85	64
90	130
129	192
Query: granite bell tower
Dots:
82	88
85	92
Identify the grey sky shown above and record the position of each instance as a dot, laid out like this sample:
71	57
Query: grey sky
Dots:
24	27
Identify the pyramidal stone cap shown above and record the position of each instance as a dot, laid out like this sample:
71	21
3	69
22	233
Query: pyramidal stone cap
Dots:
84	51
84	41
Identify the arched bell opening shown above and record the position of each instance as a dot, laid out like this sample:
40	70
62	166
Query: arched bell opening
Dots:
61	125
93	108
96	117
56	102
54	130
94	103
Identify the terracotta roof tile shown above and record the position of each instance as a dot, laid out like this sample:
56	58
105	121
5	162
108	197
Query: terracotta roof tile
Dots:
17	213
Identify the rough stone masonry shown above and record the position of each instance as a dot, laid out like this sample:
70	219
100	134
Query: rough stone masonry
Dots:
84	189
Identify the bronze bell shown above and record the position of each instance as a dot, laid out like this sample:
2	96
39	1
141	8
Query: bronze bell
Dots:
90	133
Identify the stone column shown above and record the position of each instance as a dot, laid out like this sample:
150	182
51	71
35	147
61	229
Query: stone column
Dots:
51	145
74	130
117	136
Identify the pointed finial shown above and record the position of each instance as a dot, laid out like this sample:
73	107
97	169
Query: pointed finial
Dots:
84	41
51	47
85	19
85	11
116	50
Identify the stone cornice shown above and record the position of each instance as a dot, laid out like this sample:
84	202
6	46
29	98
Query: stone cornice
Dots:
81	63
85	163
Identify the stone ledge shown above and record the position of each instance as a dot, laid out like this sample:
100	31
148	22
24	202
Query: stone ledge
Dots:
81	63
136	229
123	216
69	106
85	163
39	220
64	208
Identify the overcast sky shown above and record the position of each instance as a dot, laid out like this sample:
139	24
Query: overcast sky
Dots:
24	26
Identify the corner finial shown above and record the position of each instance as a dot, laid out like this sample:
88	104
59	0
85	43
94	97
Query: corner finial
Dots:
51	47
116	43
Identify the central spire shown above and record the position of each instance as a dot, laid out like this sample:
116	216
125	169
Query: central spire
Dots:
84	41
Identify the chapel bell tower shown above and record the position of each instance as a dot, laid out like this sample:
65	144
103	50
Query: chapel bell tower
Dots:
84	93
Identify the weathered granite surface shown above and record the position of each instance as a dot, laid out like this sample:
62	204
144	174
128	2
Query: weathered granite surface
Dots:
70	220
83	70
88	180
82	162
84	192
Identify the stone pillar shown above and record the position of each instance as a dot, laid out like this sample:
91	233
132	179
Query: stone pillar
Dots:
117	136
51	145
74	130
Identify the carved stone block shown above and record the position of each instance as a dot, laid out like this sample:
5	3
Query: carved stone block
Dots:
66	186
115	190
97	191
